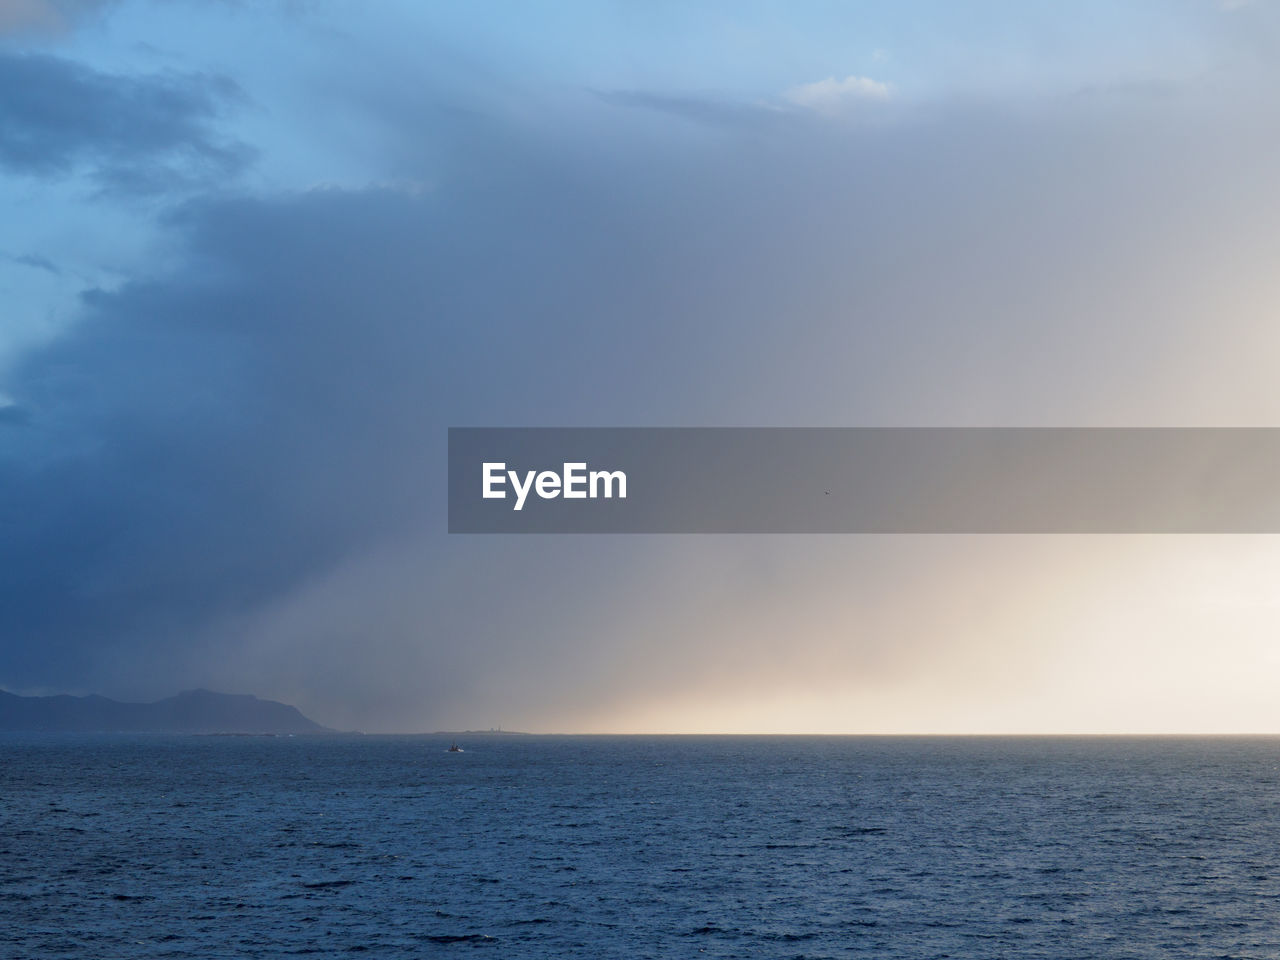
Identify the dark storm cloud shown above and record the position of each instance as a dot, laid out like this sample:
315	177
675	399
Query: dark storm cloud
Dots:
134	134
232	471
205	441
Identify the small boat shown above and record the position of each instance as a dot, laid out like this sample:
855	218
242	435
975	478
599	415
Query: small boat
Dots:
454	748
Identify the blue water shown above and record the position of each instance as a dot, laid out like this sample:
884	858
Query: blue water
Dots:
556	847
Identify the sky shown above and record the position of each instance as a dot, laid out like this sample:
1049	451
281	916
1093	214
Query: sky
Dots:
255	259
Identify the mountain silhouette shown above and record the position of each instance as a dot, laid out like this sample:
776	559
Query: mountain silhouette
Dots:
193	711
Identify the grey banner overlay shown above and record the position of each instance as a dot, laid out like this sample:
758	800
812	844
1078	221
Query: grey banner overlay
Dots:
878	480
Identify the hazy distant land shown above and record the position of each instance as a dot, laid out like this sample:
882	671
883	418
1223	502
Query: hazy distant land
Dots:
491	732
192	711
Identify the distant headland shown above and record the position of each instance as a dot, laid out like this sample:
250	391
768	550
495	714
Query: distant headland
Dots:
193	711
491	732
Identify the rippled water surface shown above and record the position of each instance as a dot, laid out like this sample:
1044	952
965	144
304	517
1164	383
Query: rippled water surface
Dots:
551	847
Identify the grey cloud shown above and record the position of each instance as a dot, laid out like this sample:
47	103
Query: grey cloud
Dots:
35	262
133	134
49	17
701	110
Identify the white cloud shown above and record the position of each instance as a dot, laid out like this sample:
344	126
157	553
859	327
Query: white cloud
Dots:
832	95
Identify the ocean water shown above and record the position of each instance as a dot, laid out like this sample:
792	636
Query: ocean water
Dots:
602	847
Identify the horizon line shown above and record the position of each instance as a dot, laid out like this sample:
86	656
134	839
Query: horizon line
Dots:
865	735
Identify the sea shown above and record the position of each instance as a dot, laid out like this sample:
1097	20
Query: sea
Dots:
115	846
